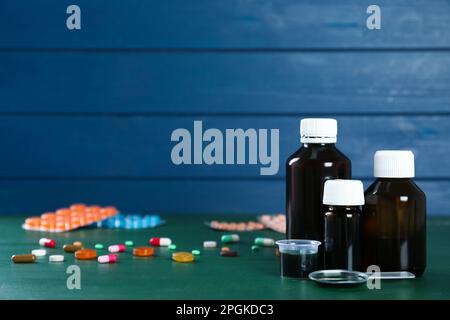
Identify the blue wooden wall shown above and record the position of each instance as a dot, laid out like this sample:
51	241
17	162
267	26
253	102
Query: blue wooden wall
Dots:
87	115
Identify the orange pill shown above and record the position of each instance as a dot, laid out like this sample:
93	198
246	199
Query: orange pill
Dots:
225	249
86	254
63	212
48	225
93	209
143	251
78	207
33	222
48	216
75	214
109	211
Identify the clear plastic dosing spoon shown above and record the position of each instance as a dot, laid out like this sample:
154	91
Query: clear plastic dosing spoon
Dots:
392	275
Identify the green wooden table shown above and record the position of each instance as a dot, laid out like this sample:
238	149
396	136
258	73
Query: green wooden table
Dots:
252	275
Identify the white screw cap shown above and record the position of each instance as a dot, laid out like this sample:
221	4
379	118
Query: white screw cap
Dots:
318	130
393	164
340	192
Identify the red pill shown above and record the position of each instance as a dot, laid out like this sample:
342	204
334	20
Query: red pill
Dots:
160	242
49	243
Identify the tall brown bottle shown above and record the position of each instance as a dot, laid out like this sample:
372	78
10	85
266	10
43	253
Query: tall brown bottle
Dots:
394	217
306	172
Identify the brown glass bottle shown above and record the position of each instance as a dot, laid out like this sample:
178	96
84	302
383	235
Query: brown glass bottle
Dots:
343	199
306	171
394	226
393	222
342	238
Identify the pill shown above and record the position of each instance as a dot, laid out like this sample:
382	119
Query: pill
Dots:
255	248
78	207
23	258
182	257
49	243
209	244
98	246
160	242
56	258
227	238
196	252
173	247
93	209
78	243
86	254
71	248
143	251
129	243
266	242
39	252
224	249
229	253
107	258
116	248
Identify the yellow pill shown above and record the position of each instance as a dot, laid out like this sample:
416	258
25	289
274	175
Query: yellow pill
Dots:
182	257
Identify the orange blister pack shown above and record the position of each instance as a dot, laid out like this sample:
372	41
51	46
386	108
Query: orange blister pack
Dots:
67	219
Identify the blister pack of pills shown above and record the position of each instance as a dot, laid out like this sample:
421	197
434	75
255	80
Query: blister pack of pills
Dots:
235	226
276	222
67	219
131	221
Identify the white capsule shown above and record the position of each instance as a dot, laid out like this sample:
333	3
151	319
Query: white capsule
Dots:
165	242
43	241
265	242
56	258
209	244
39	252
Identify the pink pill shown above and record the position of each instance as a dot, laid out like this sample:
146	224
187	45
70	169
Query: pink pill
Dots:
116	248
108	258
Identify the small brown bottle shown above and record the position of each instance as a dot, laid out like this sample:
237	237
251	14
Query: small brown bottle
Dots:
306	171
394	216
343	200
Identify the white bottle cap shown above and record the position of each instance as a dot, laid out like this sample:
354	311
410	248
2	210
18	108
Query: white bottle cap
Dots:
393	164
318	130
343	193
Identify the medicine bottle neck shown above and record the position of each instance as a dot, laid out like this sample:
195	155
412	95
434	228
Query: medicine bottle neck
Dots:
342	208
318	145
397	180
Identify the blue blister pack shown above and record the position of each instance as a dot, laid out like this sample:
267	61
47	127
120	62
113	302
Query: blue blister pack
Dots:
131	221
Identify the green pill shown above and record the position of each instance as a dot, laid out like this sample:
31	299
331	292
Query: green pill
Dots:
264	242
255	248
228	238
173	247
196	252
98	246
129	243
